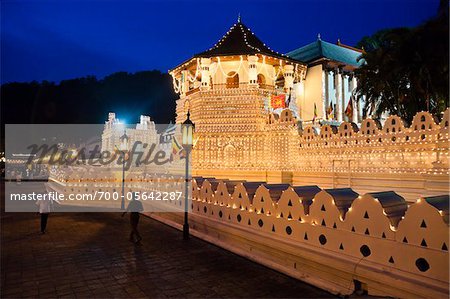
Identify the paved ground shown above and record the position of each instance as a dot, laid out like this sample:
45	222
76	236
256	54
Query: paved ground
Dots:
88	255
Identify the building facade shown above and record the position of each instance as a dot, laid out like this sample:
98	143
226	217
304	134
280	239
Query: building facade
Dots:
114	129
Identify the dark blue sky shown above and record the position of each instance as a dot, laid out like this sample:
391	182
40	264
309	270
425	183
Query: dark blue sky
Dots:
55	40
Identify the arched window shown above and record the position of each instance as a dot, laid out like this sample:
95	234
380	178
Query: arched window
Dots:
233	80
261	79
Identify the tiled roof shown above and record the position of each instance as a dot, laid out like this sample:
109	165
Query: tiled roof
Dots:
240	40
322	49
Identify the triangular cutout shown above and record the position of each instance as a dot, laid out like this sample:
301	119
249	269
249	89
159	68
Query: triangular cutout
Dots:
281	215
289	216
423	224
391	260
353	229
262	210
306	236
212	212
366	215
290	203
323	208
383	235
249	223
323	222
300	219
273	228
444	247
424	243
334	225
367	232
268	213
262	199
341	247
240	195
405	240
229	217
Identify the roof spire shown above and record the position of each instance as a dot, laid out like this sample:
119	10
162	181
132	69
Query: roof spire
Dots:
318	36
239	17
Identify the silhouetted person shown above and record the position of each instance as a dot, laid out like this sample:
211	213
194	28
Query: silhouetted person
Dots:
134	207
44	210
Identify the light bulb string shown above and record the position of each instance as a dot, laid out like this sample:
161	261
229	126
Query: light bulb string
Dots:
235	72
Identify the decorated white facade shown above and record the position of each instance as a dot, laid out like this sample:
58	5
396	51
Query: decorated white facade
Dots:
144	131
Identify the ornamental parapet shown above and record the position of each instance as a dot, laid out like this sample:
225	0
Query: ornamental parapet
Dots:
373	231
422	147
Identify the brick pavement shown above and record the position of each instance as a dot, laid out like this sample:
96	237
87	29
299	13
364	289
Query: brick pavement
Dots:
88	255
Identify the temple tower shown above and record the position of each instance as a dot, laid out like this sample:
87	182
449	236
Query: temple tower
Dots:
235	91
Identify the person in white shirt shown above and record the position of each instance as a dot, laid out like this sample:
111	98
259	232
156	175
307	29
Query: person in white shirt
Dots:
45	206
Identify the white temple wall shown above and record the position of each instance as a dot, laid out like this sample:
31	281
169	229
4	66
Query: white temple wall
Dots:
313	94
327	246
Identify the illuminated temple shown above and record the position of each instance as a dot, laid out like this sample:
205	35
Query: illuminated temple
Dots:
289	173
294	118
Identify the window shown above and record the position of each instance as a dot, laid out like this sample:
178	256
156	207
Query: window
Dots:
232	80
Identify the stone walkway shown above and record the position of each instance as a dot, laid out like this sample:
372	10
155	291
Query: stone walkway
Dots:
87	255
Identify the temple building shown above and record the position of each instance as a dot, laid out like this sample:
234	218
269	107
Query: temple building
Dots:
294	118
114	129
249	102
330	82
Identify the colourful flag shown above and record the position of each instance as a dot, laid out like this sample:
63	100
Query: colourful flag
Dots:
315	112
278	101
288	101
349	109
176	149
330	111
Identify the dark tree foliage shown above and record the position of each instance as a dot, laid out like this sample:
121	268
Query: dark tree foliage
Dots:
88	100
406	69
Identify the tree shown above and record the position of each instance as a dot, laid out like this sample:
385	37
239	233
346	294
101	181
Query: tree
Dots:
406	69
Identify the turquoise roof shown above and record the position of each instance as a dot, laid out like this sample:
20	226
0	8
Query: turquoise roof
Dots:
323	49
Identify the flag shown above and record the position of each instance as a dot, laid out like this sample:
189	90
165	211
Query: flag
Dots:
315	113
349	109
278	101
330	111
176	148
288	101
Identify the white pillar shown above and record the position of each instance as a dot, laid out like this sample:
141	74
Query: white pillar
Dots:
355	105
184	81
300	97
252	71
288	76
339	102
204	69
325	96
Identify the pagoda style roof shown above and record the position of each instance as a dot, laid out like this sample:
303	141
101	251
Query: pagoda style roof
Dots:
322	49
240	40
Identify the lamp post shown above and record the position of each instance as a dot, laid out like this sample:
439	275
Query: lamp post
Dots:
187	130
123	150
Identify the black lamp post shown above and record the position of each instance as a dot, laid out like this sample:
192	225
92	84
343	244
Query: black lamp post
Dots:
123	151
187	130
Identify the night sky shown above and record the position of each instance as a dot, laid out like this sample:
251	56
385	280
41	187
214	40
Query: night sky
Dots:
55	40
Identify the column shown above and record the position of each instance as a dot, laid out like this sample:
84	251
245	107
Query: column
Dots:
325	98
355	117
204	69
252	72
339	102
184	81
288	76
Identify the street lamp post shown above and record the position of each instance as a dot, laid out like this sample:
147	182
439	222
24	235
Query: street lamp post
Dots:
123	150
187	130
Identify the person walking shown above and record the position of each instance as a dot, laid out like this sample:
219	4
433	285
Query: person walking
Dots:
134	208
45	207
